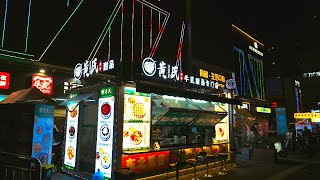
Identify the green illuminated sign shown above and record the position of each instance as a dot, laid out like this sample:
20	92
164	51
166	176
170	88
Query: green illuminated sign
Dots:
107	92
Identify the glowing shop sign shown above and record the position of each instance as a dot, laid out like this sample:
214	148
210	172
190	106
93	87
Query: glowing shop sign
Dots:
4	80
311	74
71	135
43	83
263	110
255	50
88	68
105	132
137	118
306	115
166	71
146	162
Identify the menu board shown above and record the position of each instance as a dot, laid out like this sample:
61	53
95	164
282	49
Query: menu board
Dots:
105	132
71	135
209	119
42	133
178	118
137	115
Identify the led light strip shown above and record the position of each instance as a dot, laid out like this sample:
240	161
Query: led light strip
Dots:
254	74
4	23
65	23
142	12
105	30
28	24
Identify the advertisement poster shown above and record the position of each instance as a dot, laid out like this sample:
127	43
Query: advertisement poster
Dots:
137	114
71	135
146	162
105	132
221	131
42	133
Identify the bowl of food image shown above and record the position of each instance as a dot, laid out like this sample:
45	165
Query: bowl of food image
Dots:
70	153
105	161
105	132
72	131
105	110
37	147
39	129
139	110
46	138
73	113
136	137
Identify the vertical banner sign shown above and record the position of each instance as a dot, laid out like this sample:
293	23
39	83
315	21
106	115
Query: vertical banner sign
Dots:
137	115
71	135
42	133
105	132
281	121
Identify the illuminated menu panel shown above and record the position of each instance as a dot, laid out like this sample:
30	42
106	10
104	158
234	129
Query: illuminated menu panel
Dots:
71	135
42	133
105	131
137	114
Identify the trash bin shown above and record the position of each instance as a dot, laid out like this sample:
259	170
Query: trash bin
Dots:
124	174
47	171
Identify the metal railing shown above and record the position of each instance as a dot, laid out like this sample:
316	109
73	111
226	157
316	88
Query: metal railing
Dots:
19	167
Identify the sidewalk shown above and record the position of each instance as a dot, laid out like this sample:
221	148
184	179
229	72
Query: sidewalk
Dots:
287	168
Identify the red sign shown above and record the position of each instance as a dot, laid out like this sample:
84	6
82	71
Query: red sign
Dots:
274	104
4	80
146	162
43	83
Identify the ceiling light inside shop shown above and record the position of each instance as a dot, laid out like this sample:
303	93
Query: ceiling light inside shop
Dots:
42	71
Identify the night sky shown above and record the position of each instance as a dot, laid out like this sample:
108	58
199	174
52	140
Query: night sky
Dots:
289	30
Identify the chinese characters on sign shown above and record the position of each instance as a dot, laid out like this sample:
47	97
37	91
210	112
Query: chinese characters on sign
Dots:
67	86
43	83
88	68
146	161
312	74
4	80
166	71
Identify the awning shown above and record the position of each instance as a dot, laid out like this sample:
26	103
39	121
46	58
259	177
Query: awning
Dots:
172	90
30	95
244	113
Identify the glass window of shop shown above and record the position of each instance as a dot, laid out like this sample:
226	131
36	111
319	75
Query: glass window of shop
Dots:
178	121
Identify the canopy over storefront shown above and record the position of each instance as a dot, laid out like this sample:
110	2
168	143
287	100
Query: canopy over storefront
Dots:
30	95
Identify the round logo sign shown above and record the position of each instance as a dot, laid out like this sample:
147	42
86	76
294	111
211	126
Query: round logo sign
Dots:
78	71
149	66
231	84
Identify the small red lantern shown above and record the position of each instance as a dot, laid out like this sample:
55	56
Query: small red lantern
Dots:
181	76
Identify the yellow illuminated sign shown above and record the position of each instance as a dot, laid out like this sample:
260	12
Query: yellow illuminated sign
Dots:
263	110
218	77
204	73
306	115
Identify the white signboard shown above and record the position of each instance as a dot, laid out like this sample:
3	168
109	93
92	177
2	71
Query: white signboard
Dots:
105	136
71	135
88	68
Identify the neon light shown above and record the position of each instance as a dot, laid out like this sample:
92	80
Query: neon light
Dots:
105	30
155	45
180	46
151	29
122	9
4	23
109	45
28	24
132	30
60	29
253	74
142	12
16	52
68	3
17	57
